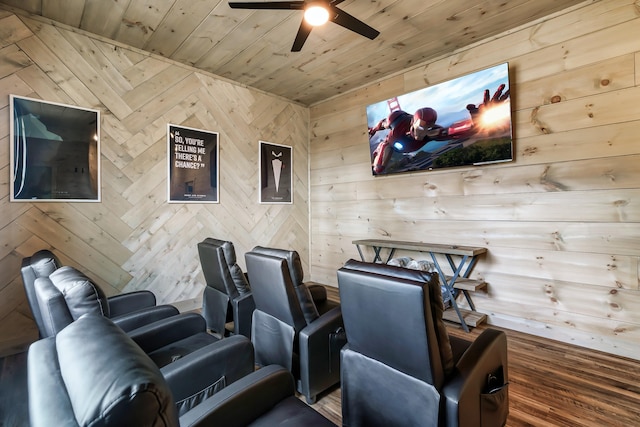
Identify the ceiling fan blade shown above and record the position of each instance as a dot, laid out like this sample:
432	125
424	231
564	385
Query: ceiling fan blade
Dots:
301	37
282	5
352	23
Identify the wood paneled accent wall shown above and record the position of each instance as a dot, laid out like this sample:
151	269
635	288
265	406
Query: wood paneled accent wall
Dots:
134	239
561	222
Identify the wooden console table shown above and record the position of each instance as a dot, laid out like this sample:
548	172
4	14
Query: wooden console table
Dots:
466	256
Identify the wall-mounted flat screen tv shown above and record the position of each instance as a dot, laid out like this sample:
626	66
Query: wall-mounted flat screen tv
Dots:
460	122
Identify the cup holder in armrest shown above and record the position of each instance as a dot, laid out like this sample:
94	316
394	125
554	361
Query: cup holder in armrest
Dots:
494	400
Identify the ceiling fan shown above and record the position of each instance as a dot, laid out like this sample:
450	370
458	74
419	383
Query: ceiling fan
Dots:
326	8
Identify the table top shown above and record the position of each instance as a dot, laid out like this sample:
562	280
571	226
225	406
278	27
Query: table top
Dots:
422	247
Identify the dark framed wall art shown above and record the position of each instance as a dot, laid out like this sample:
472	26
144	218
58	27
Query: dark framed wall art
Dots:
54	152
193	165
276	173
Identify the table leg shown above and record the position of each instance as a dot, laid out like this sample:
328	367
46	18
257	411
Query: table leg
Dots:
376	252
457	269
449	286
378	258
466	274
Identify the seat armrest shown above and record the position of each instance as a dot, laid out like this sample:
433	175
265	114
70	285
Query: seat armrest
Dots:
318	292
166	331
131	301
136	319
328	322
243	307
486	355
243	401
326	306
198	375
319	363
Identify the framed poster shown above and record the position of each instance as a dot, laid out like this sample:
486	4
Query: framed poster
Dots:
276	173
193	165
54	152
460	122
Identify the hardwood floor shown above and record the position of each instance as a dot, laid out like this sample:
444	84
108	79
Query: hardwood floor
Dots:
551	384
558	384
554	384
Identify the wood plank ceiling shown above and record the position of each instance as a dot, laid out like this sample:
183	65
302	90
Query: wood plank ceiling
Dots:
254	47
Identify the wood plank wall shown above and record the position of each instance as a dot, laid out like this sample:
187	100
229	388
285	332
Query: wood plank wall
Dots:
560	222
134	239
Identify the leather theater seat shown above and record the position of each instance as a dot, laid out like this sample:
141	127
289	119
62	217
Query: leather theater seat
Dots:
179	345
401	368
67	294
130	310
76	380
288	329
227	295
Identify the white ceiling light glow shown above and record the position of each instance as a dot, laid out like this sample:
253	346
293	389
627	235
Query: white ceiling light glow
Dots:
316	15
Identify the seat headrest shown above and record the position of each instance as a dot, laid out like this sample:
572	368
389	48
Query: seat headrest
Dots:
110	381
80	293
294	266
293	261
219	264
391	270
43	263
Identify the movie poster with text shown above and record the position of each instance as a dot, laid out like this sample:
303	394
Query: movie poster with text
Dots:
193	165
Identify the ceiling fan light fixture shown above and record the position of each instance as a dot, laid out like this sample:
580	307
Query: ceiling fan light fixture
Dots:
316	15
316	12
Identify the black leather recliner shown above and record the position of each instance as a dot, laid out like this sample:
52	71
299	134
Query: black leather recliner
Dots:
67	294
401	368
75	379
227	296
288	329
179	345
130	310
